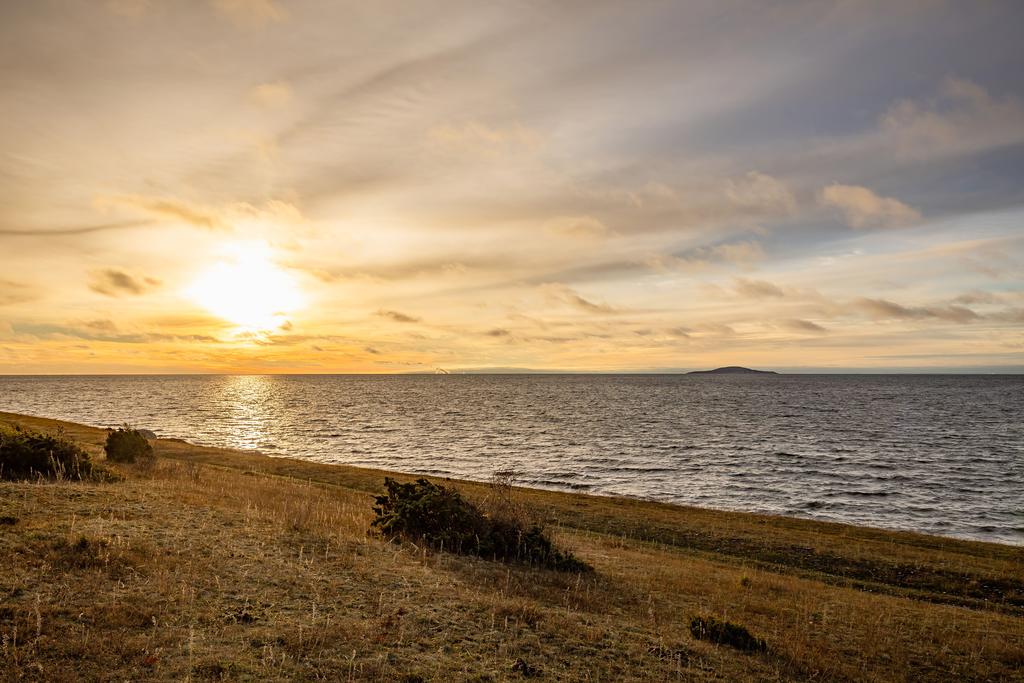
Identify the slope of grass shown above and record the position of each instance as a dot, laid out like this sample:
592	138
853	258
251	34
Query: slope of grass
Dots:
223	565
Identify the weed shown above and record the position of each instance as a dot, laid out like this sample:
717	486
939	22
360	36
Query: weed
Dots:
679	655
26	454
726	633
128	445
216	671
525	669
441	518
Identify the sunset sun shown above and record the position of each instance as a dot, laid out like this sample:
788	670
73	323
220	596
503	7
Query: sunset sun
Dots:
246	288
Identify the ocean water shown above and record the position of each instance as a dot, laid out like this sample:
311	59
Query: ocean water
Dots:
937	454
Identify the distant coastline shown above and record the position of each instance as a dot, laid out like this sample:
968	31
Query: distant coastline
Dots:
732	370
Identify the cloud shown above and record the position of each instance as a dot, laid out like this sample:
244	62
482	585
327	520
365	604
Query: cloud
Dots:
960	119
444	266
760	194
79	230
720	329
865	209
270	219
744	254
90	331
15	293
127	8
100	325
114	282
397	316
882	309
1010	315
560	292
757	289
578	227
480	139
976	297
192	214
272	95
964	118
799	325
251	13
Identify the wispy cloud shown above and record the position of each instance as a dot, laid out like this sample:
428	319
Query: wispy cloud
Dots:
174	209
882	309
398	317
757	289
272	94
115	282
804	326
12	292
557	291
761	195
251	13
478	138
744	254
578	227
963	118
127	8
865	209
75	230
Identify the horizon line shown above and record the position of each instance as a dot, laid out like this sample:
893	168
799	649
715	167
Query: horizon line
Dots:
1009	371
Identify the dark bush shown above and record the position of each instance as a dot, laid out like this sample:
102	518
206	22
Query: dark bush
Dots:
526	670
126	444
26	454
440	518
726	633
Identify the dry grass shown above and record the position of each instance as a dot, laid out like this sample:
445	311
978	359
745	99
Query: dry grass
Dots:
220	565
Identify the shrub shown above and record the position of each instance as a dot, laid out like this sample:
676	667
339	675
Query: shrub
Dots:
126	444
440	518
726	633
26	454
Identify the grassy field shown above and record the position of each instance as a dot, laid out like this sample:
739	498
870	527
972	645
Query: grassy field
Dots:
217	564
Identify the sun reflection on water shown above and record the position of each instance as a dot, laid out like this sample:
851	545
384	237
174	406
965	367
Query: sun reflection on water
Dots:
248	402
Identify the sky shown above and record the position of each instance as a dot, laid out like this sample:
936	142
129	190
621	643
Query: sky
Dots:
261	186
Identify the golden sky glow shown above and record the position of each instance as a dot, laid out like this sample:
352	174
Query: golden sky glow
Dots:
262	186
247	289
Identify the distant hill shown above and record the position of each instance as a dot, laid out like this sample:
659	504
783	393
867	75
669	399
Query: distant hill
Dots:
732	370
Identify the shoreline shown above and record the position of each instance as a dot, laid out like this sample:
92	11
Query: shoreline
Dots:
315	470
222	564
370	480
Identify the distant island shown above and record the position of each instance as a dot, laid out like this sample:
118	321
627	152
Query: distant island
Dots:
732	370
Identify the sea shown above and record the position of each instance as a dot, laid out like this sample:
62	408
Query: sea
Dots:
939	454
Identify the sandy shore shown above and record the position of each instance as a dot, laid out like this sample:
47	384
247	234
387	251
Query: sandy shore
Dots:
227	564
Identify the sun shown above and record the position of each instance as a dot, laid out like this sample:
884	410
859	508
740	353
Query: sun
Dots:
248	289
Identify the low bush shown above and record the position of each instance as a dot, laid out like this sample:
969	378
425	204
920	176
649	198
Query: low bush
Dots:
26	454
126	444
726	633
440	518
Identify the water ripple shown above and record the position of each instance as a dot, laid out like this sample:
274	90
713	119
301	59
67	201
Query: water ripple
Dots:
939	454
